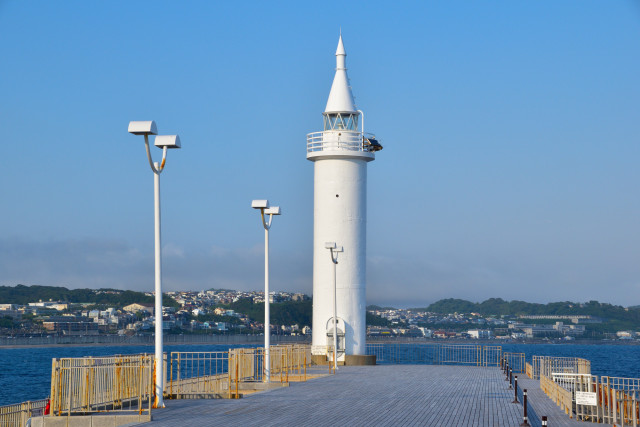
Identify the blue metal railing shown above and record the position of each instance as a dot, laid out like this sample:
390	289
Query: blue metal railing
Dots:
435	354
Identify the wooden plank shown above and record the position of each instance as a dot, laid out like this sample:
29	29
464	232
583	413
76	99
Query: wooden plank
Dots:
365	395
543	405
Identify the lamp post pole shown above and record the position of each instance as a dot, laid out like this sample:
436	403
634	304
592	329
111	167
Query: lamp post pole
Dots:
334	260
158	291
335	314
267	313
263	205
165	142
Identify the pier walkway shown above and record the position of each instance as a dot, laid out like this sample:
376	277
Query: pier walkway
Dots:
543	405
382	395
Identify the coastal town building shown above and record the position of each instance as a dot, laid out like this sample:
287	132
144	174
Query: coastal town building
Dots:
201	312
135	307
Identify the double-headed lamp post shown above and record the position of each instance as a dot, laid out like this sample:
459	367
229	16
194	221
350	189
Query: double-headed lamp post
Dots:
265	209
165	142
334	260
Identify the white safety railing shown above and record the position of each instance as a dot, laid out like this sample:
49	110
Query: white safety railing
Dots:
340	141
619	400
569	381
547	366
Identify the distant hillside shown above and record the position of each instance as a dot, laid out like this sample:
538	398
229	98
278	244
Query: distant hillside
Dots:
375	320
377	307
498	306
23	295
281	313
289	312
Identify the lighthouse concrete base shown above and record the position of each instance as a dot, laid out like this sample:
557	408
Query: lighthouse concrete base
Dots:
360	360
350	360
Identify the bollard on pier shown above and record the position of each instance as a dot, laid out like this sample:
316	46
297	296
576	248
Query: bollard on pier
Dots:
525	420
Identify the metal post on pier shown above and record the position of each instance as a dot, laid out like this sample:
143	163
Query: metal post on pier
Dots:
515	390
525	420
634	405
510	377
506	371
544	421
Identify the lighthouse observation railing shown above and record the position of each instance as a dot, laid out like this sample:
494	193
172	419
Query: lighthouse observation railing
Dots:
340	141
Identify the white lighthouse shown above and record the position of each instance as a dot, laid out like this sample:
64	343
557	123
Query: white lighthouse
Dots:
340	154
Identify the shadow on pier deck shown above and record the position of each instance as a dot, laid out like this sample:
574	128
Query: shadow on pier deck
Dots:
391	395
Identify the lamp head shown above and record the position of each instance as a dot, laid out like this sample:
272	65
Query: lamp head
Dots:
169	141
330	245
259	204
274	210
143	128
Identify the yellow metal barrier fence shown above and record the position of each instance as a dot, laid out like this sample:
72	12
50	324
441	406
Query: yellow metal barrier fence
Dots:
515	361
290	362
529	370
198	374
117	383
222	374
126	383
568	382
17	415
559	395
618	400
491	355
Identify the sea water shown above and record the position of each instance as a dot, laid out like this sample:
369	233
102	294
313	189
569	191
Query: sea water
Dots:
25	373
609	360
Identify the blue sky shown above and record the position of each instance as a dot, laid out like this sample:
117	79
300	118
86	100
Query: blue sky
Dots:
511	134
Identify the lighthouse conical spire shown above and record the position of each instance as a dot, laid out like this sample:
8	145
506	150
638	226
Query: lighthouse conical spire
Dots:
340	98
340	51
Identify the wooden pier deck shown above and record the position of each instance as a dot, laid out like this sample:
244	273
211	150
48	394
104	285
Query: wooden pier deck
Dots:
383	395
545	406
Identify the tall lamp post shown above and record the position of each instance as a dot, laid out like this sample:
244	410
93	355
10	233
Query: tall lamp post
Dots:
334	260
165	142
265	209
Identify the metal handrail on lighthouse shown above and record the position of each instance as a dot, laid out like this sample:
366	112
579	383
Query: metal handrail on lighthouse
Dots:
340	141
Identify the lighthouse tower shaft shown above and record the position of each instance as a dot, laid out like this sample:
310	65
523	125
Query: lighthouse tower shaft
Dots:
340	154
